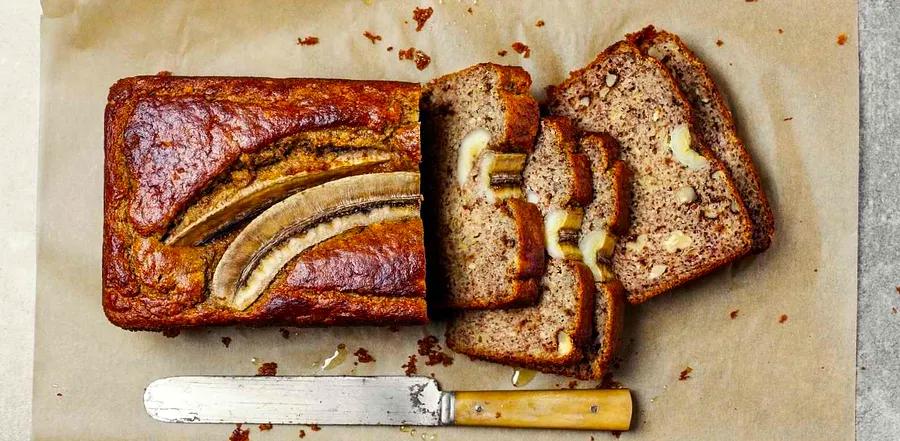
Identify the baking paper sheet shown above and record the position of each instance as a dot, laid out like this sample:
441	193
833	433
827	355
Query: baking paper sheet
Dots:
794	92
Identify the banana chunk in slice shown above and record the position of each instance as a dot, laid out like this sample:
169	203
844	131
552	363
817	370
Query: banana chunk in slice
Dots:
561	229
597	249
470	148
500	175
680	144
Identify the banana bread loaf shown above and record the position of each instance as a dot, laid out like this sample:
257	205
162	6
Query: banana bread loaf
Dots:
262	201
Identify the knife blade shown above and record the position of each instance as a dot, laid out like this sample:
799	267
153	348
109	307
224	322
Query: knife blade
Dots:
387	400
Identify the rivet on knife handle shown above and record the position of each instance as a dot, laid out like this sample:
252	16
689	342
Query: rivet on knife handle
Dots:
590	409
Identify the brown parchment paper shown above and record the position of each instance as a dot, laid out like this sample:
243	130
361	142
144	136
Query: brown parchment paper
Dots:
753	378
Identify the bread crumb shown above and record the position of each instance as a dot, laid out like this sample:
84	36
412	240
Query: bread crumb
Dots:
841	39
421	16
267	369
780	31
171	333
469	10
502	52
539	23
410	367
265	427
308	41
239	434
372	37
59	394
421	59
314	427
789	118
363	356
572	384
733	314
685	374
226	341
164	73
522	49
898	290
390	48
285	334
893	311
302	433
719	43
783	318
430	348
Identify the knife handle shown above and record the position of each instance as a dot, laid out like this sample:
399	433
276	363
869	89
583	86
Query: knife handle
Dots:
588	409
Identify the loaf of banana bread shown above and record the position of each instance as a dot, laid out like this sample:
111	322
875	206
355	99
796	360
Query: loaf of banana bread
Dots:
262	201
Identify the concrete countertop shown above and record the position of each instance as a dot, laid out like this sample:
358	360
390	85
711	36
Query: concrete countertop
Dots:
878	358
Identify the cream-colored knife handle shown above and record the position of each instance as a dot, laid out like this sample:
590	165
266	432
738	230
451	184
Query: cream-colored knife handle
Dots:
589	409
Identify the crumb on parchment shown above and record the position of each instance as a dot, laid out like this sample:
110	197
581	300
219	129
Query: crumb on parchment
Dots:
421	16
842	39
522	49
307	41
685	374
372	37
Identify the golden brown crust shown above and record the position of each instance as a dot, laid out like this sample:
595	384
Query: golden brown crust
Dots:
530	235
168	138
578	163
522	113
744	242
619	173
764	220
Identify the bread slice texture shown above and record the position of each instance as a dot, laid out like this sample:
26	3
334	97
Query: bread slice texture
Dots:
607	213
489	254
687	218
554	332
714	123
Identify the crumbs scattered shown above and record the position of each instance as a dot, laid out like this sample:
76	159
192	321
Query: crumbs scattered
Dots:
314	427
265	426
430	348
719	43
502	52
572	384
421	16
780	31
734	314
372	37
171	332
539	23
308	41
783	318
470	10
164	73
522	49
239	434
421	59
390	48
790	118
59	394
302	433
267	369
285	333
226	341
841	39
410	367
363	356
685	374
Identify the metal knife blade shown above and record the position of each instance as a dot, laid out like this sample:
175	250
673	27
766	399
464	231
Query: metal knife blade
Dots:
388	401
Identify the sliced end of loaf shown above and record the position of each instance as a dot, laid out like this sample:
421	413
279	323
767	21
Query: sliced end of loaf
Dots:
634	98
714	122
488	255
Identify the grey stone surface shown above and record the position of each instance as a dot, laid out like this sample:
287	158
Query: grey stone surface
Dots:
878	353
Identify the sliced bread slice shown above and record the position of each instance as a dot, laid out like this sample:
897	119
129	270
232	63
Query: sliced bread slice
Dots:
714	123
490	249
687	217
553	332
605	219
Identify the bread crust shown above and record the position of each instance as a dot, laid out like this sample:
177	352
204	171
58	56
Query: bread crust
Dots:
578	163
761	210
167	139
744	239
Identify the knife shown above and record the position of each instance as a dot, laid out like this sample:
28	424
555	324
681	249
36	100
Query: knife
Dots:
382	401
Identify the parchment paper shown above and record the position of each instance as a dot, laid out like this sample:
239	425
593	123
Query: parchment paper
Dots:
795	97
